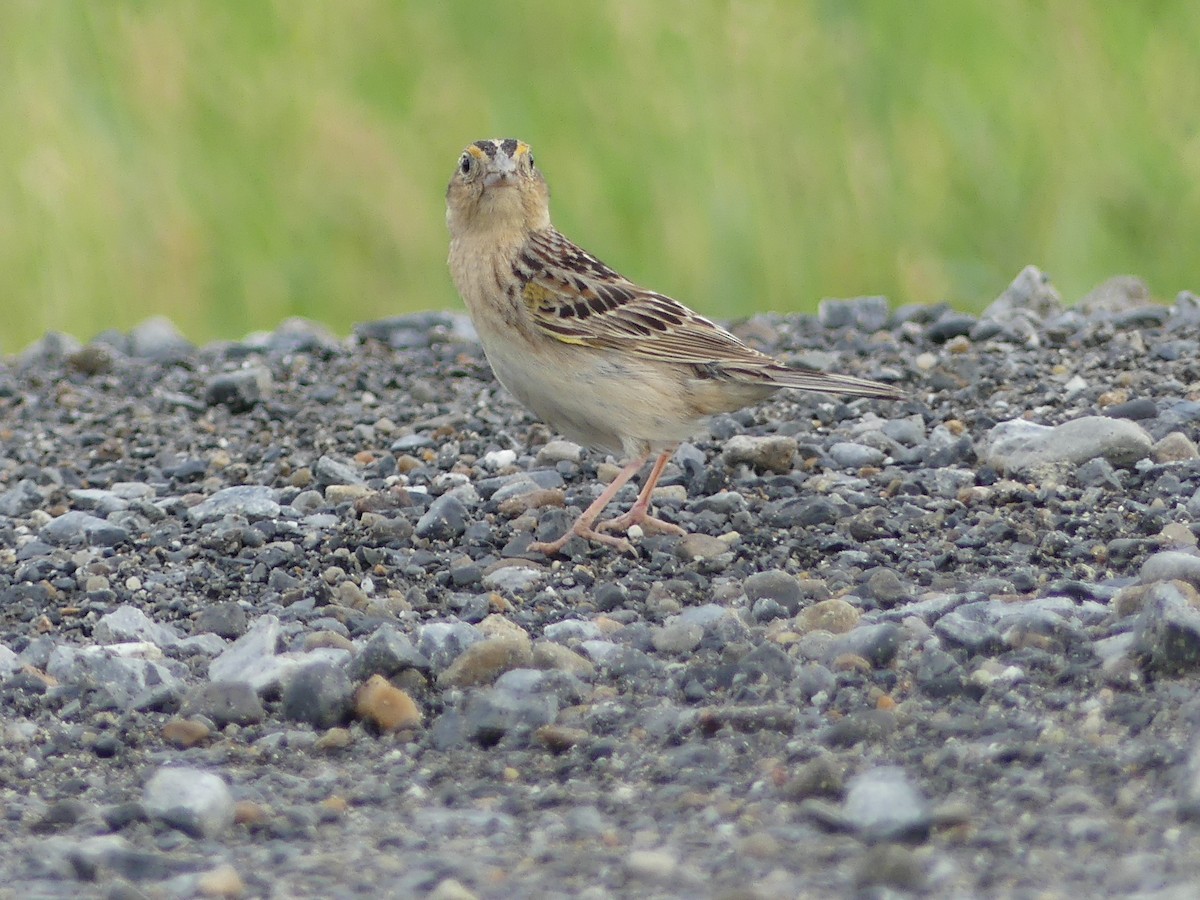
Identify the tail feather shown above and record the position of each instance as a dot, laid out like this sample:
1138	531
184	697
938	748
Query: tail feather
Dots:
824	383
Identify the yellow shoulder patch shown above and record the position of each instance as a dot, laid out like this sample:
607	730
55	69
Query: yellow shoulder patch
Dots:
536	294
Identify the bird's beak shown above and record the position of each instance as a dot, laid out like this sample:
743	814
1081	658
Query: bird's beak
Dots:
499	171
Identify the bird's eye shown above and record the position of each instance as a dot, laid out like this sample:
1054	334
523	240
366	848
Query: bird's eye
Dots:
531	160
465	165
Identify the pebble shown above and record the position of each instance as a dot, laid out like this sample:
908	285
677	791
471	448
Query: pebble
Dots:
883	805
251	501
864	313
557	451
1020	446
319	695
850	455
75	527
771	453
445	519
835	616
223	881
485	661
128	623
194	801
240	390
224	703
1171	565
386	706
385	653
1167	631
776	585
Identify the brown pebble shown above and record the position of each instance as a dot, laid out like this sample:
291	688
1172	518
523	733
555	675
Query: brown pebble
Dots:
850	662
385	706
487	660
499	603
334	739
346	493
405	463
536	499
835	616
700	546
247	812
1175	447
822	776
336	804
223	881
326	638
185	732
559	738
549	655
301	478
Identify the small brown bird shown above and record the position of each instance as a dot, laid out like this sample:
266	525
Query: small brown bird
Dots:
607	363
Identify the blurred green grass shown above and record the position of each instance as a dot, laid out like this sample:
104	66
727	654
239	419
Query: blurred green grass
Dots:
229	164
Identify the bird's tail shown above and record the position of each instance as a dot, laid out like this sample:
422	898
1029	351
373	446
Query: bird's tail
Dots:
821	382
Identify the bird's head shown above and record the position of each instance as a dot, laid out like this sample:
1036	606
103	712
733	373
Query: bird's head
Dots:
496	186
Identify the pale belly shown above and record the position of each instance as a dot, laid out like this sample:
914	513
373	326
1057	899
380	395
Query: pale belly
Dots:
625	406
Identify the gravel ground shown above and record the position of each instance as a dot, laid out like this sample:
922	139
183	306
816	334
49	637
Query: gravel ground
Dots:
267	627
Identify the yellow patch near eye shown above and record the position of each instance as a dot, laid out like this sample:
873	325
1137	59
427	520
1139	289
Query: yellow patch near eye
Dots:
476	152
522	148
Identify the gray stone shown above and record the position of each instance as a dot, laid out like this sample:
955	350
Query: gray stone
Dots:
227	619
196	802
876	643
1170	565
442	642
22	498
245	656
1024	447
128	623
495	712
514	579
1167	631
77	527
224	703
385	653
253	501
864	313
318	694
331	471
677	637
559	451
253	658
240	390
849	455
882	804
1030	293
158	338
114	669
568	631
96	500
9	661
445	519
776	585
971	628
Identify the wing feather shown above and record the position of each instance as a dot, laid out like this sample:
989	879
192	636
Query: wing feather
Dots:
575	298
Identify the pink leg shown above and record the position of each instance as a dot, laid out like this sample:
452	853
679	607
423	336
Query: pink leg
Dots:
639	513
583	525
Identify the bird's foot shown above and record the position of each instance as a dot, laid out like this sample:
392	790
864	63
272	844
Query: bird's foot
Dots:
648	523
551	548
